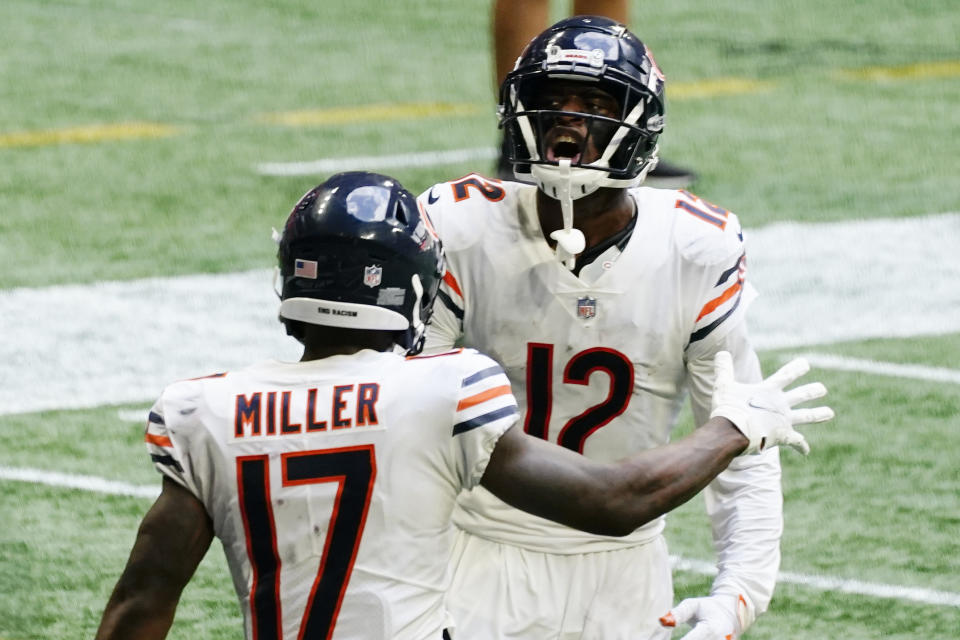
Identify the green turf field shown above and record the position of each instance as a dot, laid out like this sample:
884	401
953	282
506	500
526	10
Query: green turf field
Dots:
130	139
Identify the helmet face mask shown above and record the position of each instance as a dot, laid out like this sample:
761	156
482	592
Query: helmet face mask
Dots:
598	56
358	252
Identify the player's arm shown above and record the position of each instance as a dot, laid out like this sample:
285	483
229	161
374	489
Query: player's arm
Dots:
745	505
172	540
609	499
615	499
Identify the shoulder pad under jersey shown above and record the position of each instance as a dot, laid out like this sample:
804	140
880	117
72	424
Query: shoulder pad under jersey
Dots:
461	209
703	232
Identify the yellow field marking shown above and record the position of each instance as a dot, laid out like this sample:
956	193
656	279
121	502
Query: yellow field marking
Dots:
384	112
371	113
716	87
91	133
946	69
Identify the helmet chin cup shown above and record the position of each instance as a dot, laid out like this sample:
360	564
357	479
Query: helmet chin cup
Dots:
578	181
582	180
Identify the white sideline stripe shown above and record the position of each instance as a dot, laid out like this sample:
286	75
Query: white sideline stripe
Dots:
916	372
402	160
831	583
821	583
81	482
116	343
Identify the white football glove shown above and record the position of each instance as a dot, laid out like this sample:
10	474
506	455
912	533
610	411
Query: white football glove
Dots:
763	411
716	617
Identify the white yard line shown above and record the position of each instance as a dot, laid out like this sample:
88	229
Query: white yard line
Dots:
376	163
77	346
80	482
874	367
817	582
833	583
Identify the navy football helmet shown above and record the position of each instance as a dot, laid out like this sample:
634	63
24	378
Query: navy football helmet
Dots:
597	53
359	252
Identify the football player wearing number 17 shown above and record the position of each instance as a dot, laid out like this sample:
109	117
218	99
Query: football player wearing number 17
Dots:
605	302
331	481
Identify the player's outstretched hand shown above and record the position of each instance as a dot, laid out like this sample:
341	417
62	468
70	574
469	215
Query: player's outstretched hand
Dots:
716	617
764	411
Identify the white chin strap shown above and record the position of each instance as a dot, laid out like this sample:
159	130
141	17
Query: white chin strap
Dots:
566	184
570	241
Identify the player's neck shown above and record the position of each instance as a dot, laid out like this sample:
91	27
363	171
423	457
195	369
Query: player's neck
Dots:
598	215
325	342
314	352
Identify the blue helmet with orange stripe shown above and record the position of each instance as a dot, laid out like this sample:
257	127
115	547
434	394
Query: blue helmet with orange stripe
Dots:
359	252
620	117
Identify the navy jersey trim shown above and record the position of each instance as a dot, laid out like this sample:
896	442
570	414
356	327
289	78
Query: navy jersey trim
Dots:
450	304
479	421
726	274
167	461
480	375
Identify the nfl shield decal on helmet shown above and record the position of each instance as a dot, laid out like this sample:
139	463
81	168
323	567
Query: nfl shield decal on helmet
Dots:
372	275
586	308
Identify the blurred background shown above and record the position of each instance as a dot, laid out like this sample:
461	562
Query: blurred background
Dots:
146	150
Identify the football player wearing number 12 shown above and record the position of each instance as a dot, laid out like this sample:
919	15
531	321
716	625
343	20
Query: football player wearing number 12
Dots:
330	481
605	302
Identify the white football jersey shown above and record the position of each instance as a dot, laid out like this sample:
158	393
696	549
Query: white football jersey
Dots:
331	483
599	361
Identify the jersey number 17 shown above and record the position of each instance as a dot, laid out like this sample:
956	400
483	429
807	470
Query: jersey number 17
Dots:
354	469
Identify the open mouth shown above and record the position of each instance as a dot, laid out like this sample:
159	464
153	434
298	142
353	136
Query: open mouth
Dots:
564	146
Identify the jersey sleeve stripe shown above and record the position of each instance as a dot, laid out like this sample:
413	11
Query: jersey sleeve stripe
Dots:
452	283
703	332
166	460
483	396
736	267
719	300
486	418
450	304
482	374
160	441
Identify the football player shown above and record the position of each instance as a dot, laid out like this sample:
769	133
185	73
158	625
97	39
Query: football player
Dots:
331	481
605	302
516	23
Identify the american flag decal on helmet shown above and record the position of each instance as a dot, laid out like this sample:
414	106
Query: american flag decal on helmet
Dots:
305	268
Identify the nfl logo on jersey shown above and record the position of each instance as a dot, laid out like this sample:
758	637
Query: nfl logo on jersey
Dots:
372	275
587	308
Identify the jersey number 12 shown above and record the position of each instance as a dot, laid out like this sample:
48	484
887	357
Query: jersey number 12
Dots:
579	369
